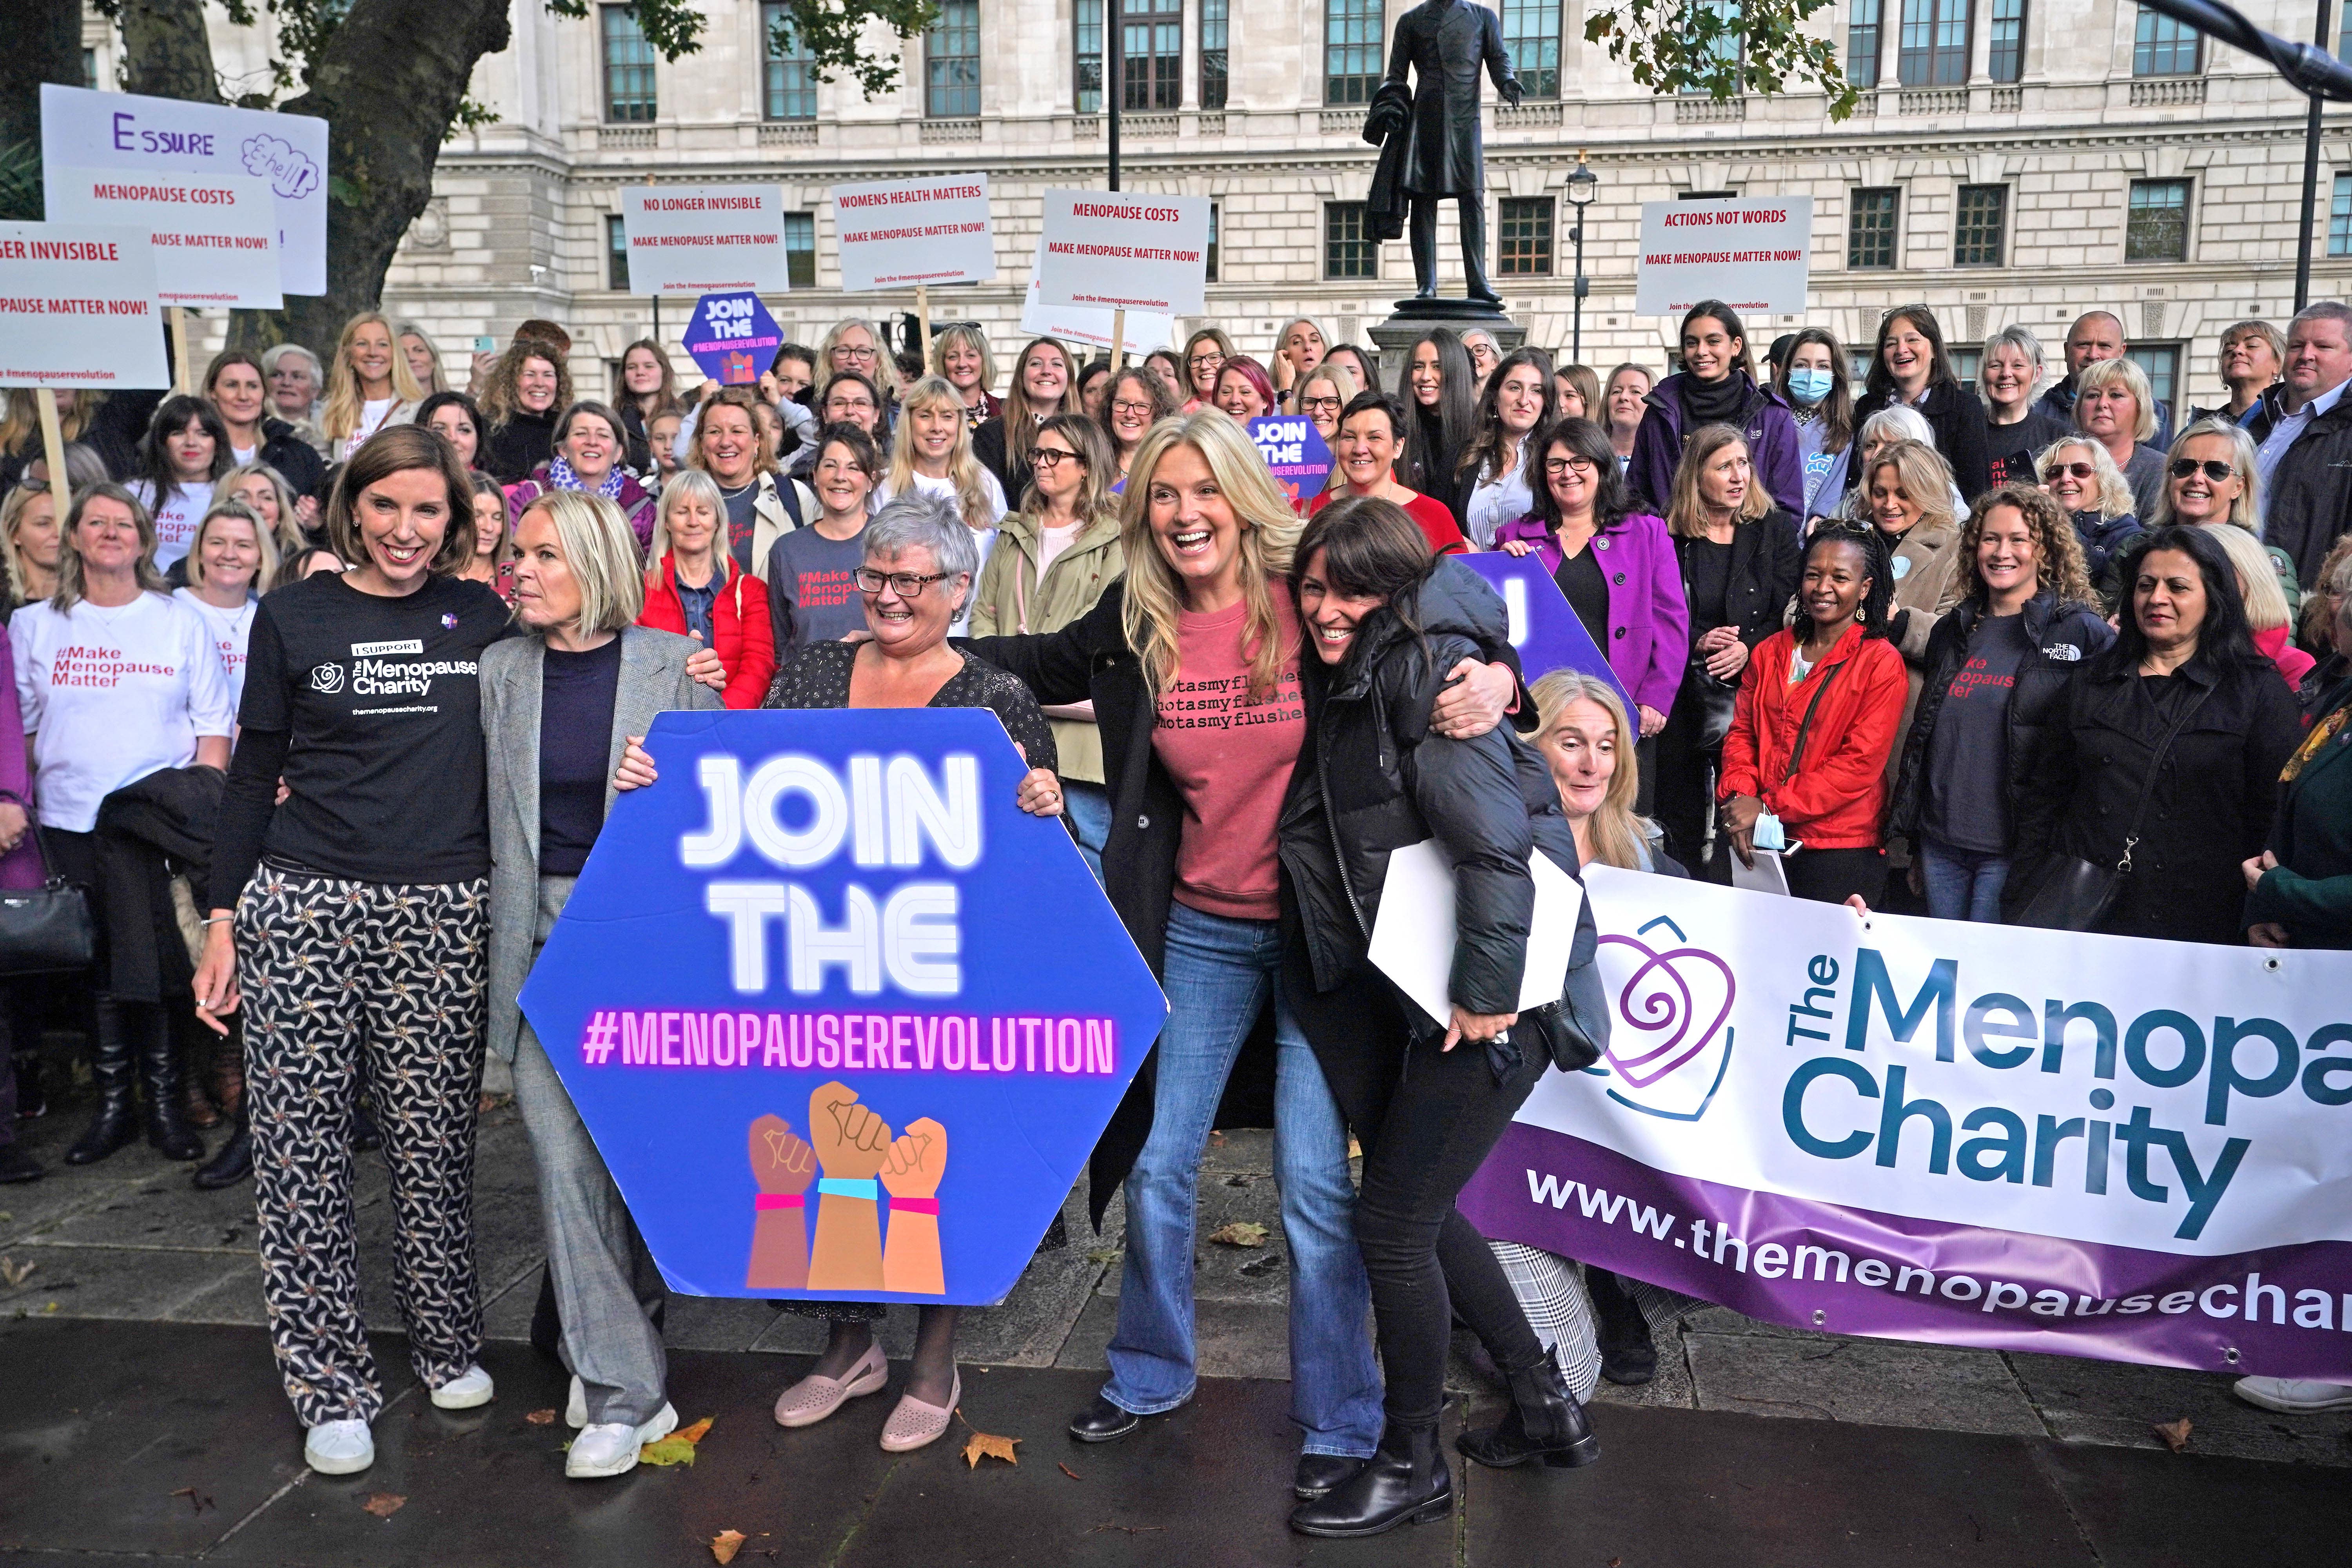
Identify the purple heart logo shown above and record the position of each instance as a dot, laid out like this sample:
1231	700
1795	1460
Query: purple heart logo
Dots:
1657	1013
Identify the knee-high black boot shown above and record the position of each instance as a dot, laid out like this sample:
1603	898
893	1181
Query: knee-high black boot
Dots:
1629	1355
1545	1422
110	1065
159	1084
1406	1481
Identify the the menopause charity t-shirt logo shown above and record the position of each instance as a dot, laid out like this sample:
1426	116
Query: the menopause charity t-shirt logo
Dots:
327	679
1670	1045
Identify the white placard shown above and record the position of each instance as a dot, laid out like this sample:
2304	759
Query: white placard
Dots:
901	233
1083	324
216	236
85	129
1414	936
1115	251
693	240
1753	252
77	306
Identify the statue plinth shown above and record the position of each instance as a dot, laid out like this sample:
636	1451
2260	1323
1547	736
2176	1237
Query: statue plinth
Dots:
1394	338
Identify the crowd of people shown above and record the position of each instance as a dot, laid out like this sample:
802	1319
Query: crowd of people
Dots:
2008	652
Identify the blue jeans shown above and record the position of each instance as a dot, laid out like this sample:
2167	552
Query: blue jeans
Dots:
1962	884
1087	806
1217	975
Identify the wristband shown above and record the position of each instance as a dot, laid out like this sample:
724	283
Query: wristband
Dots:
868	1189
915	1206
779	1201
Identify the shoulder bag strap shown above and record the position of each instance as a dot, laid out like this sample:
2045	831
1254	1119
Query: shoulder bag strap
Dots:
2156	765
1805	725
32	832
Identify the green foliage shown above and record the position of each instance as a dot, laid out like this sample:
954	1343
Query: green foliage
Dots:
20	182
832	36
1696	45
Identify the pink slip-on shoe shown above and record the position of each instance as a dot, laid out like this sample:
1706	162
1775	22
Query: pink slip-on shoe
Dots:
915	1425
814	1397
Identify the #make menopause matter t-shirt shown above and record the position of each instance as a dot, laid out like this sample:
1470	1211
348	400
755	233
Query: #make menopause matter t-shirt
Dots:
1230	759
813	590
176	516
1968	755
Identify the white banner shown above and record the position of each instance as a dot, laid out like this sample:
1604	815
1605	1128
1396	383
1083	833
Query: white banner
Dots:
693	240
216	236
119	130
77	306
1083	324
1753	252
900	233
1117	251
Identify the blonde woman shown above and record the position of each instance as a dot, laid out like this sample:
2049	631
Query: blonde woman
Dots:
933	455
2115	407
529	386
28	522
232	562
273	501
960	357
369	386
2269	618
696	586
852	344
423	359
1192	662
2088	487
1299	348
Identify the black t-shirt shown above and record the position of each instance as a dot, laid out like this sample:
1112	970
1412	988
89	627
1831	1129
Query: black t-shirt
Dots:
1967	756
370	709
1708	567
1580	578
575	740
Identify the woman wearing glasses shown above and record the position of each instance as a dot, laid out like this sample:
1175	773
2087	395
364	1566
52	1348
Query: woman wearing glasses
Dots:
2088	487
1137	401
1206	354
851	345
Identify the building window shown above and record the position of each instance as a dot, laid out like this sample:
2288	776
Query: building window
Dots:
1525	234
1351	51
1215	212
2156	224
616	253
1728	47
1979	219
1212	53
951	62
1348	248
1966	365
791	68
1870	227
628	67
2006	59
2162	47
1935	42
800	249
1151	65
1088	29
1531	34
1862	44
2339	218
89	69
2161	364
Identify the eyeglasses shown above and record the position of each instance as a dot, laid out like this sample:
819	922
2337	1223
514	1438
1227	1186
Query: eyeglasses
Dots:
1132	410
846	352
1555	467
1203	362
906	584
1325	405
2215	470
2074	470
1053	458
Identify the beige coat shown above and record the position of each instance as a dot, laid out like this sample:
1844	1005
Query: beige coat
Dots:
1009	600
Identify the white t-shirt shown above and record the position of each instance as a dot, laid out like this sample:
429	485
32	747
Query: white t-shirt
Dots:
113	695
229	628
176	518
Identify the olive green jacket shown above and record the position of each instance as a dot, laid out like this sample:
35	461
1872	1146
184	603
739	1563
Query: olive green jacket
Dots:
1011	601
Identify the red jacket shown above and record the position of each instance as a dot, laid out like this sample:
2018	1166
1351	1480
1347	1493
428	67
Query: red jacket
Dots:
1837	797
738	625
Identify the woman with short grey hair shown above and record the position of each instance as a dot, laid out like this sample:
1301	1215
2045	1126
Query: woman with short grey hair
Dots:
2016	426
296	381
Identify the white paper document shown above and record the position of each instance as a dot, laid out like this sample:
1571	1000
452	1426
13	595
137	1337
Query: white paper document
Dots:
1414	937
1766	875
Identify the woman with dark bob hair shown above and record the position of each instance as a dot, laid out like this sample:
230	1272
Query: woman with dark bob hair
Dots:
2164	763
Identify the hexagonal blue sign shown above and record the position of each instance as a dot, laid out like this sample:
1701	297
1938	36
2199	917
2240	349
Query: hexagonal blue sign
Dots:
731	337
844	1021
1544	627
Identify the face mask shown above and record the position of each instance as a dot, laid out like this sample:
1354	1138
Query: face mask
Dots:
1809	386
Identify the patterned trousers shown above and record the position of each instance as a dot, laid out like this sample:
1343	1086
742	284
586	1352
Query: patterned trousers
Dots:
344	981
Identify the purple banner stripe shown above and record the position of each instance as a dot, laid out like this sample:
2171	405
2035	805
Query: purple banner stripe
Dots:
1848	1271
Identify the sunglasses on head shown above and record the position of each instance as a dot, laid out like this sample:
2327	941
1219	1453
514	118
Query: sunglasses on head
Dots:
2215	470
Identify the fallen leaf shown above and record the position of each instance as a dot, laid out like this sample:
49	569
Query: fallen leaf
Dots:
695	1432
2174	1433
989	1445
16	1273
1240	1232
670	1450
1069	1472
542	1418
384	1505
726	1543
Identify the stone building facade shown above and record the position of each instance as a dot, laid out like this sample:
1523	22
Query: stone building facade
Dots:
2014	161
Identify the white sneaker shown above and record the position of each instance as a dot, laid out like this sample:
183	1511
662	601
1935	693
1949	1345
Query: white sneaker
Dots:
575	1408
339	1447
467	1390
610	1447
2294	1395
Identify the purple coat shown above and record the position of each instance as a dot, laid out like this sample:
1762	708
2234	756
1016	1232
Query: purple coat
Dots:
1648	643
637	502
21	867
1772	448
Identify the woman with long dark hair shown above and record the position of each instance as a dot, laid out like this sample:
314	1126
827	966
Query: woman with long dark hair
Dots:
185	454
649	391
1717	385
1045	381
1490	486
1441	400
1911	369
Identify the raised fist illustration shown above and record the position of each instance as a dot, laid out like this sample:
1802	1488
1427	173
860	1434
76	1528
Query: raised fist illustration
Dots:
910	1255
917	1161
780	1162
851	1142
783	1166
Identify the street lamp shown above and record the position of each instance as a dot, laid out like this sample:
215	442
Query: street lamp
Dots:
1582	187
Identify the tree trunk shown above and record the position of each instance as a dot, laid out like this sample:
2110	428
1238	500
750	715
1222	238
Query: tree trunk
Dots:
44	45
167	52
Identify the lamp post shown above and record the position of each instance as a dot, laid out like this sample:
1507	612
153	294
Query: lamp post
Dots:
1582	187
2310	180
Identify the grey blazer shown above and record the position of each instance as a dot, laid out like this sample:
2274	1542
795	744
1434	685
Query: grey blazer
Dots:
653	678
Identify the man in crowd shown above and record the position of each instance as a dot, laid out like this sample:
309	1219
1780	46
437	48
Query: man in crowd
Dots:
2304	429
2096	335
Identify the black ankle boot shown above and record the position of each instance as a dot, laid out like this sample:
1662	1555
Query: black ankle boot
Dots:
232	1164
1545	1422
1405	1482
109	1064
1629	1356
159	1084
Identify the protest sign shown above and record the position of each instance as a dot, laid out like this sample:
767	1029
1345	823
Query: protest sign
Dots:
900	234
215	236
1084	324
732	337
1752	253
1125	252
126	131
843	1022
1544	628
1295	452
705	239
77	306
1930	1130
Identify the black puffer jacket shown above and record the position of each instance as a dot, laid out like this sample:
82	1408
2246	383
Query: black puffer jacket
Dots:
293	458
2307	504
2063	635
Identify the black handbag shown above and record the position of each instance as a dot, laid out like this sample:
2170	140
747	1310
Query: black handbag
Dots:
1714	700
2075	894
45	929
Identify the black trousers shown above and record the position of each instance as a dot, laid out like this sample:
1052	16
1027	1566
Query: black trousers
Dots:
1685	775
1833	875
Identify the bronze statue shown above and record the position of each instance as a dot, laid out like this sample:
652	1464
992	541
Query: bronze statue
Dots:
1430	143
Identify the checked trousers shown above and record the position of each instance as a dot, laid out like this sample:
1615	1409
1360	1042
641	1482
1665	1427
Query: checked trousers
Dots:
345	982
